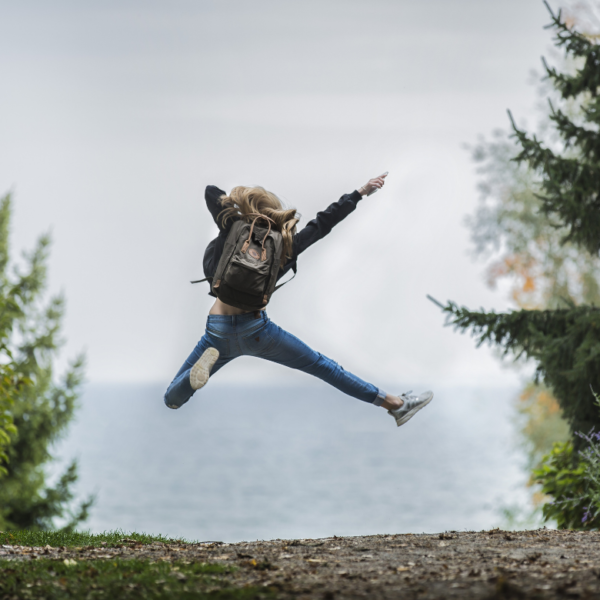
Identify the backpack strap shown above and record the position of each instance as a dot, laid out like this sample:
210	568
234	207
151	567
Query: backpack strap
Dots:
294	268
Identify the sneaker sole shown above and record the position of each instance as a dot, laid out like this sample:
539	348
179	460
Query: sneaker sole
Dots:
201	370
413	412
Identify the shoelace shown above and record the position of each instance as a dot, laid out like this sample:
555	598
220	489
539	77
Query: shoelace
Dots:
408	399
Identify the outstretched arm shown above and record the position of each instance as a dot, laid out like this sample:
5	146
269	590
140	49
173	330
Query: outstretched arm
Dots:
325	220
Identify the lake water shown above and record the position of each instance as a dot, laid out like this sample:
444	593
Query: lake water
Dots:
250	463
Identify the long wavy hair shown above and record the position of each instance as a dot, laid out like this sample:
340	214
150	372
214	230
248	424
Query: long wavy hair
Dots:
244	200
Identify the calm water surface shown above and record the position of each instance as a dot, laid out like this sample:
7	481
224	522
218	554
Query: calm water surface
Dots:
252	463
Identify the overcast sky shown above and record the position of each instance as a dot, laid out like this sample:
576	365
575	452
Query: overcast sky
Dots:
114	116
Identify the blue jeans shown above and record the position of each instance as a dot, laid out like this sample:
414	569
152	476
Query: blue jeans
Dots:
256	335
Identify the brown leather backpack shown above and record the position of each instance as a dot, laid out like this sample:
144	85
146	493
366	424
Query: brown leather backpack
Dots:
246	275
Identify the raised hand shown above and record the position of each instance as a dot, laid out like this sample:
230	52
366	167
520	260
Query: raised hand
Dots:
372	185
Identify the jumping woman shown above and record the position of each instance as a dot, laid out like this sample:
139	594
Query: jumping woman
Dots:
256	246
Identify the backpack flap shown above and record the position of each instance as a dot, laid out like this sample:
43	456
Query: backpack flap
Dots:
247	272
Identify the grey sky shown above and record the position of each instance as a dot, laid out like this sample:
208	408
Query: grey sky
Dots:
115	115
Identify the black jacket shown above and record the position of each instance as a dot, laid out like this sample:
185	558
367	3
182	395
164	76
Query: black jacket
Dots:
314	230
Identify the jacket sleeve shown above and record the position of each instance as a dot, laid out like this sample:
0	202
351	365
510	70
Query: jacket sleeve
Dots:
212	195
324	222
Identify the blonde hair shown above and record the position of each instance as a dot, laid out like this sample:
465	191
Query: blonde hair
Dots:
244	200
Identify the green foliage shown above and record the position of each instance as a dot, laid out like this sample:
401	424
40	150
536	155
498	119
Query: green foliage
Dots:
563	478
91	579
41	409
62	538
7	428
572	479
11	382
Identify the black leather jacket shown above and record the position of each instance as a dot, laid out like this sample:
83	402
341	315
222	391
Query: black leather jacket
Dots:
314	230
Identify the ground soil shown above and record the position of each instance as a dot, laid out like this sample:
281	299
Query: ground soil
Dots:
489	564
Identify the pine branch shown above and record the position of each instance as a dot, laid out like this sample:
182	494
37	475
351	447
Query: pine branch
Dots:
587	79
586	141
564	343
570	186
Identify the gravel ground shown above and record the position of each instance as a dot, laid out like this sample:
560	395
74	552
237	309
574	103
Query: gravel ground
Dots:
489	564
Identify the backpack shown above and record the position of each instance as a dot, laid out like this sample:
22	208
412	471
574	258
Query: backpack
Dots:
247	271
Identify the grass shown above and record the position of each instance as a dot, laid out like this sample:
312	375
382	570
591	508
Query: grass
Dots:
112	578
129	579
77	539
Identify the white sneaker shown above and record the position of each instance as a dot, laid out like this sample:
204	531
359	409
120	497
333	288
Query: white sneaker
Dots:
412	405
200	372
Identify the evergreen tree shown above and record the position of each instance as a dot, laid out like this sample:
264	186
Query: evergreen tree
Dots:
520	245
41	409
564	338
564	342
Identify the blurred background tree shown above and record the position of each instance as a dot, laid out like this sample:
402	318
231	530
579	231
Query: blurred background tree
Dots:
9	385
537	226
7	427
36	409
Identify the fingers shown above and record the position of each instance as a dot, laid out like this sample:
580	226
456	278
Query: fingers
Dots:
380	180
374	184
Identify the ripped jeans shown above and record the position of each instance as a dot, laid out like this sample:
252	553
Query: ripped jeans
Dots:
256	335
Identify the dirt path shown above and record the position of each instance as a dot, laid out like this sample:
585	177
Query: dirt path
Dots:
492	564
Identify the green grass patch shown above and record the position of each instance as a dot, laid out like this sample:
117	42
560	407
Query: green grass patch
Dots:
91	579
77	539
